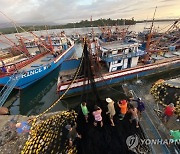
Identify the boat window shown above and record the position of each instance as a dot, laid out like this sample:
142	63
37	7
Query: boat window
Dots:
114	62
119	51
130	50
105	55
110	52
119	61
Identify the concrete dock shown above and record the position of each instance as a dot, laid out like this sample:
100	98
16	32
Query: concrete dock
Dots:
151	122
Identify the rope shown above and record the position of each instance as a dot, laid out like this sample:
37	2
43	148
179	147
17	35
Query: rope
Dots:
75	76
16	25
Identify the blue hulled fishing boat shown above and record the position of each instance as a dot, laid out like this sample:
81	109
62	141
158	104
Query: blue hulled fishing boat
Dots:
38	58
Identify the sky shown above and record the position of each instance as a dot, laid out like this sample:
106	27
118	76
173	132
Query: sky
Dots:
65	11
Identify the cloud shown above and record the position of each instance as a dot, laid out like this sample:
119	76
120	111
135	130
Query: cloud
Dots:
64	11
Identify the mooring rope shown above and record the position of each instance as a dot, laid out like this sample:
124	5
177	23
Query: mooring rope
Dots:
69	86
46	136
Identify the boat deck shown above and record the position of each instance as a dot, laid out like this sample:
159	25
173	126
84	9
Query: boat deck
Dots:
101	69
39	62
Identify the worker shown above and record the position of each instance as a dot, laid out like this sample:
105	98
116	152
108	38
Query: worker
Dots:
84	110
72	135
134	115
140	106
97	116
111	110
168	112
123	108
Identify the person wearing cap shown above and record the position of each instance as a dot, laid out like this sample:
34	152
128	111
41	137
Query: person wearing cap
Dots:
84	110
97	115
168	112
111	110
123	108
140	106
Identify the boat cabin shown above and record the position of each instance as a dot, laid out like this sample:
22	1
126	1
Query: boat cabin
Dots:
119	56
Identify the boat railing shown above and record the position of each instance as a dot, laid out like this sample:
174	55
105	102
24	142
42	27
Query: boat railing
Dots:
18	65
6	84
125	70
6	90
145	65
121	56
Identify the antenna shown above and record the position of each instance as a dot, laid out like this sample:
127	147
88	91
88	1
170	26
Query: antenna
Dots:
150	34
153	19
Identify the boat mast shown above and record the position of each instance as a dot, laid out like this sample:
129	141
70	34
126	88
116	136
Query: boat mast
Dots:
24	49
150	33
169	29
17	48
50	46
45	46
92	30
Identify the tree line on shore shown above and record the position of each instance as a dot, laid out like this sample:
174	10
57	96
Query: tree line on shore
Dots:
82	23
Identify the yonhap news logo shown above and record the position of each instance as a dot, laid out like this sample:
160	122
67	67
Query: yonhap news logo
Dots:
133	141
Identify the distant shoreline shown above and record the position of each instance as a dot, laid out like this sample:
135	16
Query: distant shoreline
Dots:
160	20
81	24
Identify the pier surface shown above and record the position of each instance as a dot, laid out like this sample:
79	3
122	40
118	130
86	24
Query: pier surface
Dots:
152	122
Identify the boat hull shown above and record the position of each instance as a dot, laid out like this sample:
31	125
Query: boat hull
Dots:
35	74
120	76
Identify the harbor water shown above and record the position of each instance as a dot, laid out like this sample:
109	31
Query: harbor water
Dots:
42	94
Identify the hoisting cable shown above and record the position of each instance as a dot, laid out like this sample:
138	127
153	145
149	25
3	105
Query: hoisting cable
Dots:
49	135
24	30
69	86
12	46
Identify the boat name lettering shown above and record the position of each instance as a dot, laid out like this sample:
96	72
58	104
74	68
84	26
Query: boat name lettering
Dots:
31	72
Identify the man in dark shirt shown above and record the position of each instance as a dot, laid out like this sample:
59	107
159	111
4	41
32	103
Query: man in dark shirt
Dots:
140	105
72	134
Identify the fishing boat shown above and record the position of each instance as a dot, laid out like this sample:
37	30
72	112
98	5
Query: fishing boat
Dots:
37	58
115	60
115	68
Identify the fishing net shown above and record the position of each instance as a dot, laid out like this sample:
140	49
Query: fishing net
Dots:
87	72
166	93
50	135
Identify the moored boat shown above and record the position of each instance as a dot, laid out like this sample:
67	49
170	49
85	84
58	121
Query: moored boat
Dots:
40	56
116	58
115	61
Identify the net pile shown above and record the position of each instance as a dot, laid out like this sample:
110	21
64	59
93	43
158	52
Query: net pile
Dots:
165	93
50	136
